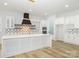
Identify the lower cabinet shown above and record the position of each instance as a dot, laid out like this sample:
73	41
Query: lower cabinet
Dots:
10	47
24	45
15	46
72	39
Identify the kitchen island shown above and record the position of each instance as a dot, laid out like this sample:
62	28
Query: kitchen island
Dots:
17	44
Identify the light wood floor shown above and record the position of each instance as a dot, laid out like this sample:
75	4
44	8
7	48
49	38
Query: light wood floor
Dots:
59	50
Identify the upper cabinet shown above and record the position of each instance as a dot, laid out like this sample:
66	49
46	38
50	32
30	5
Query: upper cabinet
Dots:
9	23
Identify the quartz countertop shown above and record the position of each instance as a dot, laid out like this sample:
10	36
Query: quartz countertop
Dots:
20	36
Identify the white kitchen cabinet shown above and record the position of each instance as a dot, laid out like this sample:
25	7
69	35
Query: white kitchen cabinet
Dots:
35	43
74	39
44	41
13	45
9	23
25	44
59	31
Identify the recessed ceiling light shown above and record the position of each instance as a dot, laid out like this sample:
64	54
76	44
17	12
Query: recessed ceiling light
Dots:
66	5
5	3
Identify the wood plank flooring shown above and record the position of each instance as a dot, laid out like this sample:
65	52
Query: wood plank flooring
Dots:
59	49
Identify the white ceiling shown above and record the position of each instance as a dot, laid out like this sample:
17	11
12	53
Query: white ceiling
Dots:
41	7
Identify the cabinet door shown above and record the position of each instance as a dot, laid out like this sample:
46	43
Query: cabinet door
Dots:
10	47
44	41
39	42
35	43
9	22
76	39
24	45
59	32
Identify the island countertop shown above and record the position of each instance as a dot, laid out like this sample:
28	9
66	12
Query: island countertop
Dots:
22	35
